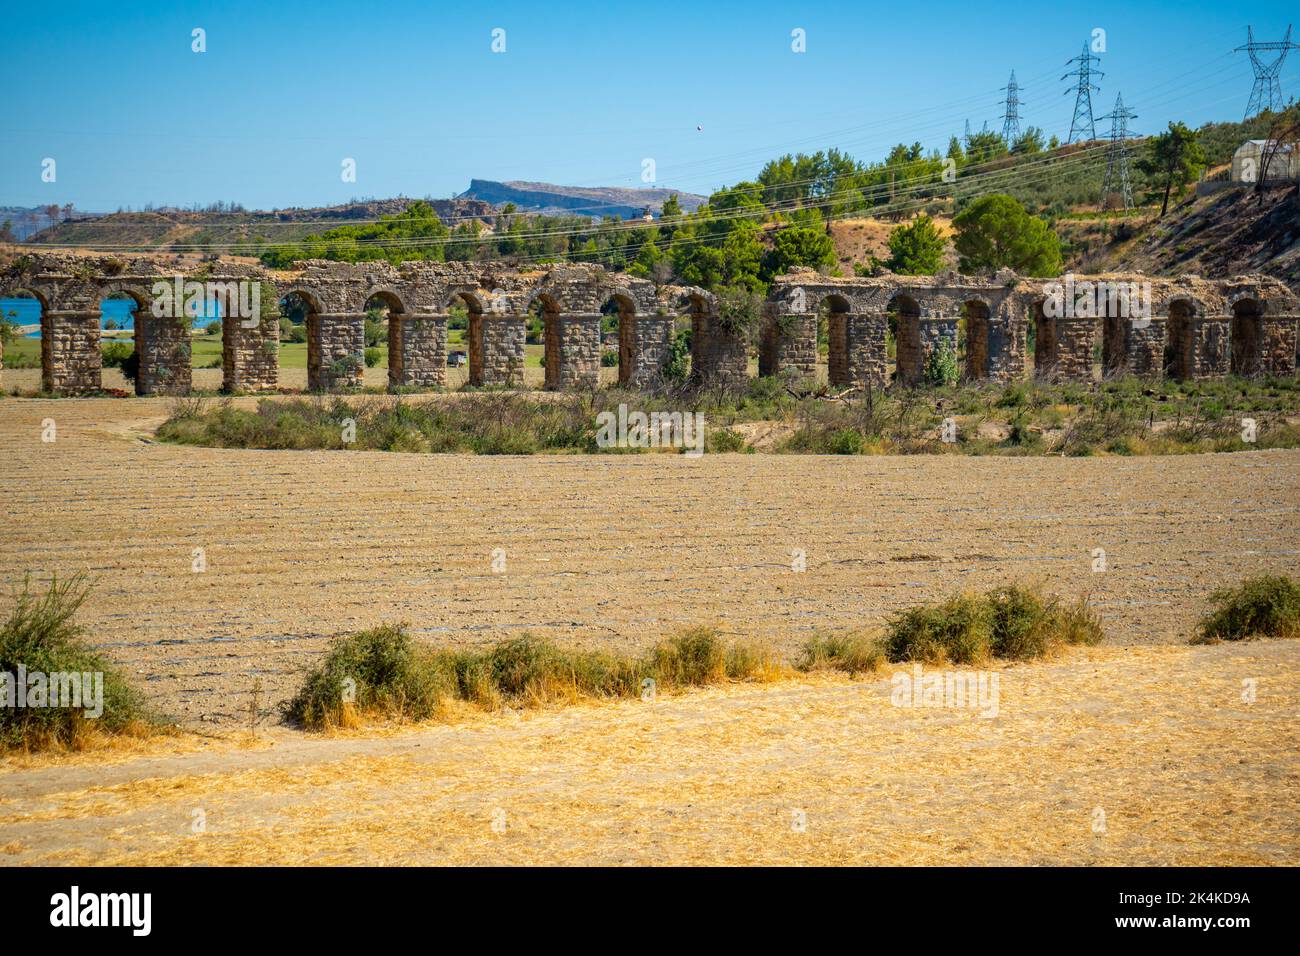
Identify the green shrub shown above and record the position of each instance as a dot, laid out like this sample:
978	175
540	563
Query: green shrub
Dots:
1012	622
1264	606
213	328
957	631
372	356
609	358
41	635
375	671
845	441
696	656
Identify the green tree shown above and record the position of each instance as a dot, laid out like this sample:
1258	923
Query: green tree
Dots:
996	232
797	246
916	248
1174	156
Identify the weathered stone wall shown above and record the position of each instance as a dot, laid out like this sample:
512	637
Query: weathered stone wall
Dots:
645	346
250	357
789	342
417	351
71	362
1076	345
859	352
719	356
499	347
572	350
1211	340
918	339
1144	348
336	343
163	345
1278	348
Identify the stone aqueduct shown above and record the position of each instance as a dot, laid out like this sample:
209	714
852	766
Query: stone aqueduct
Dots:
1198	328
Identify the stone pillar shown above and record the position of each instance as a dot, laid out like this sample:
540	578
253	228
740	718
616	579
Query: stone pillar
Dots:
1075	341
719	356
496	349
645	345
1144	347
789	342
417	350
1211	347
918	340
250	357
1006	349
858	350
164	349
572	349
1279	334
71	362
336	344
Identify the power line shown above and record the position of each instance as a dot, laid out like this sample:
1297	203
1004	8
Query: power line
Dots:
1266	94
1083	90
1117	158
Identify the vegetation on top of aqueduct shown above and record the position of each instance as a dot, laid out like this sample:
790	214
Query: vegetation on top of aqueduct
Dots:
1120	417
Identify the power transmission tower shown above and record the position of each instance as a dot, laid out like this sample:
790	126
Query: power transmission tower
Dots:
1266	94
1011	115
1083	91
1117	176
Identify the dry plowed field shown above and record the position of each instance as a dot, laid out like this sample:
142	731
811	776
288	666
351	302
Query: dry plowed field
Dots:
1144	750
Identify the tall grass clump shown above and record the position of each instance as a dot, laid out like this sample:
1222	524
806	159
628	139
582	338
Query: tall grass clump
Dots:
854	653
374	672
42	636
1264	606
383	673
1013	622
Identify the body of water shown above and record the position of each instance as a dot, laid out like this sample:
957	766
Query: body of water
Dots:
120	311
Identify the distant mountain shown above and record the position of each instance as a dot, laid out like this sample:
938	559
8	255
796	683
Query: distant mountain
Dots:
552	200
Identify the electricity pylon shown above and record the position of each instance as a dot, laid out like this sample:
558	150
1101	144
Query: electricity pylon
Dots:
1083	91
1117	175
1011	115
1266	94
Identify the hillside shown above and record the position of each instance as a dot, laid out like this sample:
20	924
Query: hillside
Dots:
167	229
1226	233
552	200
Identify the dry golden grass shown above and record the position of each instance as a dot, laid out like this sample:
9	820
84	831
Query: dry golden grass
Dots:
1185	771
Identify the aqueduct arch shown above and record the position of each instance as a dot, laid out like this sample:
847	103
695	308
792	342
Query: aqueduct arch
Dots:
1196	327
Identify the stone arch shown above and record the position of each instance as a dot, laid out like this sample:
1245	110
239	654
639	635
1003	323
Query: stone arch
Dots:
905	324
474	300
1182	312
836	308
465	344
395	311
390	298
145	328
301	300
978	320
42	321
1247	336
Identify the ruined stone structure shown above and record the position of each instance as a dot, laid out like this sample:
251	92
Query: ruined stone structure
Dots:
1186	328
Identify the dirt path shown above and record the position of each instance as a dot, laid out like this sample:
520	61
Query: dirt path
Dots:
1111	756
600	550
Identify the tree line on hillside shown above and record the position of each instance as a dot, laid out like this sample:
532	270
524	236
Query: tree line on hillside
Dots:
1005	198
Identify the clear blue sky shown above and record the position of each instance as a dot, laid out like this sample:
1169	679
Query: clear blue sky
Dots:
583	93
